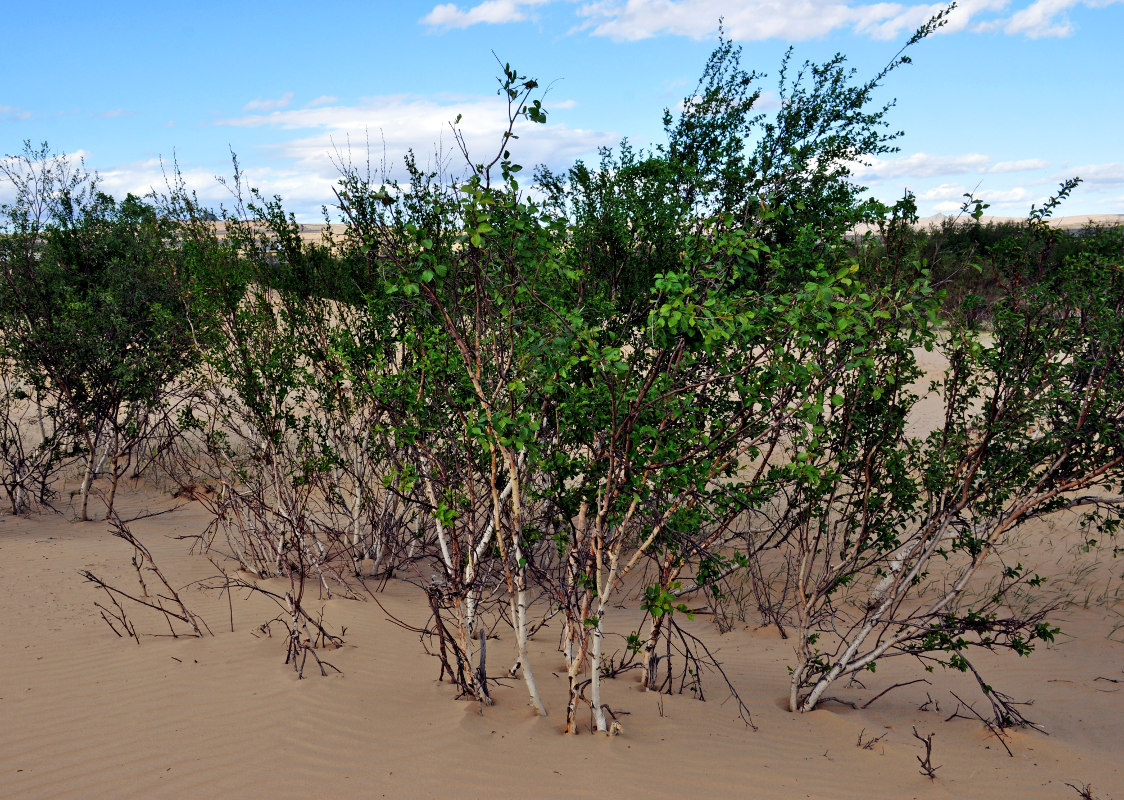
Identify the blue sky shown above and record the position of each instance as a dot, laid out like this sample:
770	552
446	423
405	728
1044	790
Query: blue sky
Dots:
1009	99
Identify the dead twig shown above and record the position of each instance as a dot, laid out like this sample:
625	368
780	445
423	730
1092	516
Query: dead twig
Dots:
869	743
144	563
891	688
114	592
927	768
119	615
830	698
1085	791
996	731
1003	706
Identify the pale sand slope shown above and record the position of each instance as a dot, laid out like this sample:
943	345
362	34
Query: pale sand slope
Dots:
312	232
1075	223
85	714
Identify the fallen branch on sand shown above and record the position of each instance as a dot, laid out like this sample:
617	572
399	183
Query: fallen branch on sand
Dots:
144	563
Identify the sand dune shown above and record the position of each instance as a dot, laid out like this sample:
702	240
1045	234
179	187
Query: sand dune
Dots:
86	714
312	232
1072	223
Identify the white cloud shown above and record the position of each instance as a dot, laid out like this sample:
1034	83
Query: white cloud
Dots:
113	113
948	198
17	163
892	20
13	114
399	123
450	15
967	13
269	104
303	167
1009	200
1039	19
920	165
300	191
956	191
945	191
142	177
768	19
940	182
322	100
928	165
1042	18
1018	166
768	101
1112	173
1016	194
749	21
792	20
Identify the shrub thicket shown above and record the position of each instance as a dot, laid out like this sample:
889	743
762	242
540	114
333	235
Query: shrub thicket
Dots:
675	363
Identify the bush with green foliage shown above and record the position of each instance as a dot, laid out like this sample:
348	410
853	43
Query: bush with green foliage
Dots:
94	304
678	364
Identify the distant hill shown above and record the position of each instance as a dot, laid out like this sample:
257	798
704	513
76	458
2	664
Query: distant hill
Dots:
1074	223
313	232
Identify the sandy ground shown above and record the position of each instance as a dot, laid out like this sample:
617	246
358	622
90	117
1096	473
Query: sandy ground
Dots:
85	714
312	232
1072	223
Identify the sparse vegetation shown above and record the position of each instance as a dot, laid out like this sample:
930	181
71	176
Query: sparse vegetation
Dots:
669	372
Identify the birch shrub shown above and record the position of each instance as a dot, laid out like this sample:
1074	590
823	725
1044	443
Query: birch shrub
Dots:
32	444
95	318
287	426
645	376
475	278
606	381
903	542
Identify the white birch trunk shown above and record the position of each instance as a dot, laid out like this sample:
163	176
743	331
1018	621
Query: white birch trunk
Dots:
595	674
520	601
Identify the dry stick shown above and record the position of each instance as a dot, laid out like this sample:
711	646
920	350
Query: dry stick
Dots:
119	616
443	654
323	634
463	676
927	768
1002	705
612	730
984	720
743	709
308	649
481	669
890	689
140	575
830	698
107	622
121	531
225	588
1085	792
150	514
299	618
115	591
869	743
